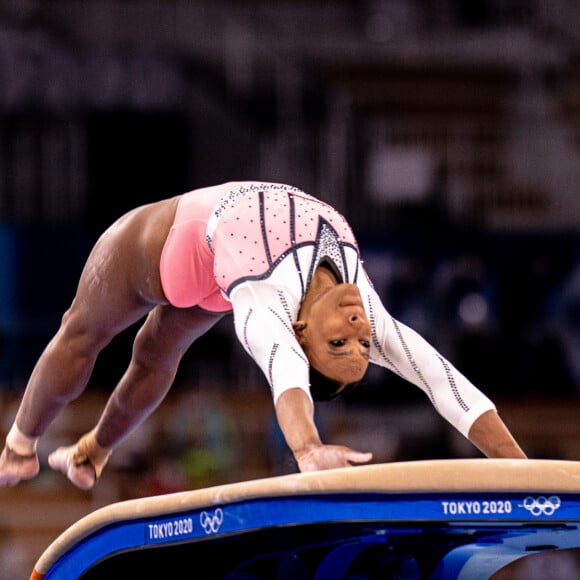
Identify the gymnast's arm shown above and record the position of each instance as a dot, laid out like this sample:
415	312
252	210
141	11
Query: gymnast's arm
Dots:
400	349
295	414
491	436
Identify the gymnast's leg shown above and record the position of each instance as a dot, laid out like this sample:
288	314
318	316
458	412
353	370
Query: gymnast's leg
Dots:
158	348
118	286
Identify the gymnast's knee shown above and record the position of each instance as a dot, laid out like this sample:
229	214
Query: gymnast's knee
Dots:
151	356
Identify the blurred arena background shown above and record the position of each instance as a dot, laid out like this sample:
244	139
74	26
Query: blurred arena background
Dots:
447	131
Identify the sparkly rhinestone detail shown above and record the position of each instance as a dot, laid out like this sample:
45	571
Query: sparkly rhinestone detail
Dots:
238	193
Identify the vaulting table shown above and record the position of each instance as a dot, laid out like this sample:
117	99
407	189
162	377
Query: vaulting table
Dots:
441	519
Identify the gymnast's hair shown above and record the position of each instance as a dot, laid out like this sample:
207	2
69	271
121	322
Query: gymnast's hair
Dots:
324	389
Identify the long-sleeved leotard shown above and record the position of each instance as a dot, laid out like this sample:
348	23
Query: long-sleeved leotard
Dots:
253	247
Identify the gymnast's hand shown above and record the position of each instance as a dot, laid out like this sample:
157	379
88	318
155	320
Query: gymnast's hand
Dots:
329	457
295	413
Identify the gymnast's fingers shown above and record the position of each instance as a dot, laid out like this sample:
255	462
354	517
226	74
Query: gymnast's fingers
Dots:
358	456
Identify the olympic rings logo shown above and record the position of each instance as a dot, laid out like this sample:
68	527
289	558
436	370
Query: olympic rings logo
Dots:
211	523
542	506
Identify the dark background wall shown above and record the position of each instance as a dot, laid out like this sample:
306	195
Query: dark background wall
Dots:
448	132
448	136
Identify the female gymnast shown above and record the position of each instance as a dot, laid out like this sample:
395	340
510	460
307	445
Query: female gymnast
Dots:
288	267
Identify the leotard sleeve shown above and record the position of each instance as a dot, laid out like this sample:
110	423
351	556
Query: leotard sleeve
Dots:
263	317
400	349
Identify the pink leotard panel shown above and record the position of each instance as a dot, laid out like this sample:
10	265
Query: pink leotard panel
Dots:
252	232
260	228
186	261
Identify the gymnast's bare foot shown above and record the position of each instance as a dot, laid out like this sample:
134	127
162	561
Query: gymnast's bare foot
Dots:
15	468
83	475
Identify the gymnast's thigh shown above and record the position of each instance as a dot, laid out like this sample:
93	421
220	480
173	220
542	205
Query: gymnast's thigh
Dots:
120	280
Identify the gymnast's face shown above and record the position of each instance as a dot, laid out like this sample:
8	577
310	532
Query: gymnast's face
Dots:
335	333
